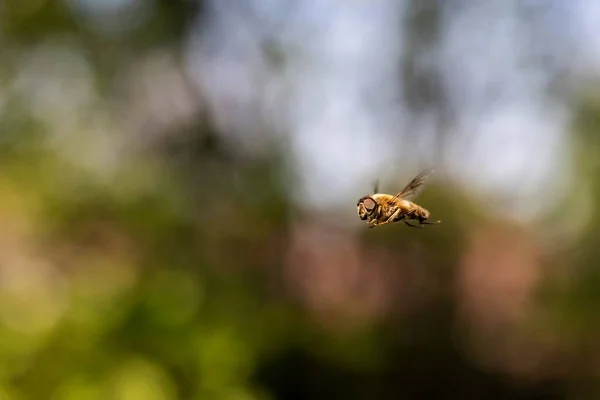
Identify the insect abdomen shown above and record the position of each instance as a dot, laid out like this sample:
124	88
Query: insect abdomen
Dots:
421	213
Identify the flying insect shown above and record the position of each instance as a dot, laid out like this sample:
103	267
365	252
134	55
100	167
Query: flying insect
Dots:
381	208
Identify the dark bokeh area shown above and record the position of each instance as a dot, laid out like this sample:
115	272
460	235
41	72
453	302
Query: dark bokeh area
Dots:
150	248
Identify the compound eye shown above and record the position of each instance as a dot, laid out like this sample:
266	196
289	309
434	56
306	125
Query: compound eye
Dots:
369	204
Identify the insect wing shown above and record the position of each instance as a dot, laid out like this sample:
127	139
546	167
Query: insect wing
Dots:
413	187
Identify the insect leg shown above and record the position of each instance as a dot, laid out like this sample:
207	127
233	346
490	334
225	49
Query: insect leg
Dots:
411	225
394	216
379	224
430	223
387	221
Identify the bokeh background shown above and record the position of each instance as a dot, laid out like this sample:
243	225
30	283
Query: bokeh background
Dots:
178	182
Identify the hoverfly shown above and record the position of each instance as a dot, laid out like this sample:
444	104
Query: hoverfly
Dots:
381	208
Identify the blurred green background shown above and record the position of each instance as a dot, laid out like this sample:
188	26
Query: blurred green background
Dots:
178	182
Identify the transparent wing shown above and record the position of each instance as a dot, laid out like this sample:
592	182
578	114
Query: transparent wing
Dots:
413	187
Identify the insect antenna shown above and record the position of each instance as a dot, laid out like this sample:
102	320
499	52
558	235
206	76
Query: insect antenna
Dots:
376	186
